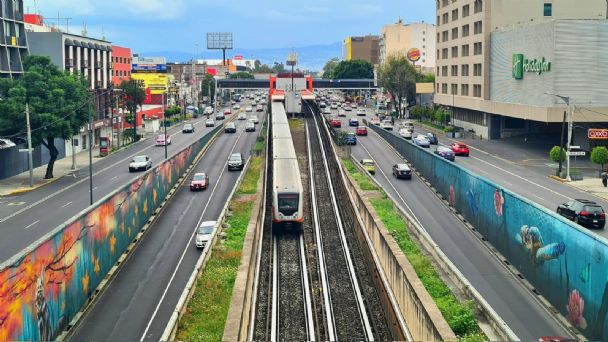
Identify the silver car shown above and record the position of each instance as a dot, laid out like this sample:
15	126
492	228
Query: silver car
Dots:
204	233
140	163
209	123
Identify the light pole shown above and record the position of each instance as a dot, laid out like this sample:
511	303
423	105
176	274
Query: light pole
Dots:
29	145
165	124
91	151
566	100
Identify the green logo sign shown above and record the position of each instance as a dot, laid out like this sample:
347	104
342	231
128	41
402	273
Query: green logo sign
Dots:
518	66
521	65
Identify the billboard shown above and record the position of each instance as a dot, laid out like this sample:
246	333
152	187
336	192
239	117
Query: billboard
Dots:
148	68
157	83
425	88
597	133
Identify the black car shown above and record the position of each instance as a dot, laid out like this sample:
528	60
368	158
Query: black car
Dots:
188	128
584	212
402	171
445	153
235	162
432	138
230	128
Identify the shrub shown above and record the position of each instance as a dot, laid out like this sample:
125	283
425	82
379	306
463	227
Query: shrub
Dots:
599	155
554	154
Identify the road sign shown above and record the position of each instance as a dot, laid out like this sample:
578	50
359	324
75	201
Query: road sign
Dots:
24	150
574	147
576	153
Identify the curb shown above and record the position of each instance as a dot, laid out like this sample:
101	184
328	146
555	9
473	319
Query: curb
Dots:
28	189
559	179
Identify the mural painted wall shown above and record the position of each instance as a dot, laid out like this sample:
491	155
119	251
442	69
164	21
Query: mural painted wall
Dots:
566	264
42	290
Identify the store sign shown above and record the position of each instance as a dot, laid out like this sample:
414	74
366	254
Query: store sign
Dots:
535	65
597	133
413	54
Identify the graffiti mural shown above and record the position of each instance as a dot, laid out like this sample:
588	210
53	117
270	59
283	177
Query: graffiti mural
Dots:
41	290
566	264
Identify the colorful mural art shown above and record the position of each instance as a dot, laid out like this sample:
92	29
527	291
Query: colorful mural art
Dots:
42	289
566	264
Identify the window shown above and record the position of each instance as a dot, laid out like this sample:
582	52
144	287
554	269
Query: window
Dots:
454	89
465	50
455	33
477	90
444	18
464	89
438	37
455	14
548	9
444	36
454	70
437	73
444	70
477	27
465	30
465	11
444	88
438	55
444	53
477	69
438	22
454	51
478	6
444	3
477	50
465	70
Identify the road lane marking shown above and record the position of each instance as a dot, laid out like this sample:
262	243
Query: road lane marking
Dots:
113	178
31	224
188	244
10	204
95	188
65	205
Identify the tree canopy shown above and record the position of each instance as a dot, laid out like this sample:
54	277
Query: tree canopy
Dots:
241	74
208	86
398	76
58	105
330	67
354	69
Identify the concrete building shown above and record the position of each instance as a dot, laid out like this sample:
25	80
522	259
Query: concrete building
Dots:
121	64
13	41
556	47
399	38
362	48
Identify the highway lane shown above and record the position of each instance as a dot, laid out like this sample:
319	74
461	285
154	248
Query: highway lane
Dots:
52	205
492	280
161	264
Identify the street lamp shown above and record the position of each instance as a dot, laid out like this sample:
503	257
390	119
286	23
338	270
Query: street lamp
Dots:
569	113
165	119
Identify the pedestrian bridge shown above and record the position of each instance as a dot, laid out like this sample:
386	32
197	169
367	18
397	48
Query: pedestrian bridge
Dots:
317	83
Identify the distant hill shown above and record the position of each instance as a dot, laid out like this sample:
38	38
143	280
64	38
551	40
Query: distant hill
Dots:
311	57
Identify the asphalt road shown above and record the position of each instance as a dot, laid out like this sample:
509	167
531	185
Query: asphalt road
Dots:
495	283
26	218
139	301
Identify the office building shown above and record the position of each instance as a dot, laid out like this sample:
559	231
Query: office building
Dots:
401	38
13	41
362	48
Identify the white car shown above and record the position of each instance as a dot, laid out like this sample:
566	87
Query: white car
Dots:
254	119
387	124
341	112
326	110
140	163
209	123
236	106
263	101
249	109
405	133
422	141
334	106
204	233
354	105
208	110
162	140
242	116
360	112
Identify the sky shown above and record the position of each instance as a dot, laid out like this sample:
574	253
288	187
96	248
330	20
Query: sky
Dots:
178	25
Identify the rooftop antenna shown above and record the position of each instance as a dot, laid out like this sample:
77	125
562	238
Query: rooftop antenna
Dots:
84	29
103	35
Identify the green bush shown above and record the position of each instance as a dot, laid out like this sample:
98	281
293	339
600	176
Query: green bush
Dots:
599	155
554	154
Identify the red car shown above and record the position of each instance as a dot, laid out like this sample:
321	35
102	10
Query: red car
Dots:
200	181
227	111
460	149
335	123
361	130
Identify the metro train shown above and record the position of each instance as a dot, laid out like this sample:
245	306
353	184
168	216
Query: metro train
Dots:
287	195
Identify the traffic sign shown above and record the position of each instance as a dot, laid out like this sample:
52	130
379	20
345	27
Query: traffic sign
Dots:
574	147
23	150
576	153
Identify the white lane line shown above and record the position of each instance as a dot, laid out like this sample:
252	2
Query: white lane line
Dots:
508	183
65	205
31	224
113	178
189	244
95	188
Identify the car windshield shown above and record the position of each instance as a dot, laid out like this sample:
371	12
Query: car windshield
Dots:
199	177
139	159
368	163
162	136
402	167
235	157
205	229
187	126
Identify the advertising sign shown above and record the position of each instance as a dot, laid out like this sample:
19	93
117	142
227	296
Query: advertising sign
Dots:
149	68
238	57
535	65
157	83
413	55
597	133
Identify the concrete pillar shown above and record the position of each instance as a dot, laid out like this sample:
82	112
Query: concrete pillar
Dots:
78	59
92	67
85	58
71	57
98	70
104	70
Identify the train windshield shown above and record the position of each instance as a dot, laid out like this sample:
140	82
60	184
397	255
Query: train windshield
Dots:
288	203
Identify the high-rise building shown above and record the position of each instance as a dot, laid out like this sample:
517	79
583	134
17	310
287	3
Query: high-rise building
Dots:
362	48
121	64
401	38
557	47
13	42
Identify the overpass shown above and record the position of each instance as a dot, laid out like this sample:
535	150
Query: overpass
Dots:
317	83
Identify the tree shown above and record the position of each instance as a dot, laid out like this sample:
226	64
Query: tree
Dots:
426	78
58	105
208	86
330	67
554	154
599	155
398	76
242	74
134	97
354	69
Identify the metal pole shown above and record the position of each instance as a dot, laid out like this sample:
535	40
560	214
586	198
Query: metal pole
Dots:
117	126
90	152
165	116
561	144
569	141
29	145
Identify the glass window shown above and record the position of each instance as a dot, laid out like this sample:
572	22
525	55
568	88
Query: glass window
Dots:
465	50
465	11
548	9
465	30
455	33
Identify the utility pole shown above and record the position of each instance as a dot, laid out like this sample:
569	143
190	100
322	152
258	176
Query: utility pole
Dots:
29	145
561	144
567	100
91	152
117	126
165	116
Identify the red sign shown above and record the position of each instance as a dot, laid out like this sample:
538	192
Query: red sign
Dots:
413	54
597	133
212	71
238	57
148	95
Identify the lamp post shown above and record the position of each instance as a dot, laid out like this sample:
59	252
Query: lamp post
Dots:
165	119
91	151
566	100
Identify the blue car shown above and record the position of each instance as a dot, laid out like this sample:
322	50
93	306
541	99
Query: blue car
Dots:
350	139
445	153
353	122
432	138
422	141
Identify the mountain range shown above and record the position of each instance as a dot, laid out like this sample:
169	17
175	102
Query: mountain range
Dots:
311	57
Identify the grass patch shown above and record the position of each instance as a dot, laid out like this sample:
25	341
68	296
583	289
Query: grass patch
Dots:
260	143
364	182
296	125
433	125
206	313
459	315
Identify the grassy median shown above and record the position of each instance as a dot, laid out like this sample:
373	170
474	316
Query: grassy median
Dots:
459	315
206	313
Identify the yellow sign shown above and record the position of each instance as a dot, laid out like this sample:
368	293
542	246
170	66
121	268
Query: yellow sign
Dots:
425	88
157	83
13	40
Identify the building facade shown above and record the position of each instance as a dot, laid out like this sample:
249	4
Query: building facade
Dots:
13	41
399	38
152	73
121	62
362	48
555	43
